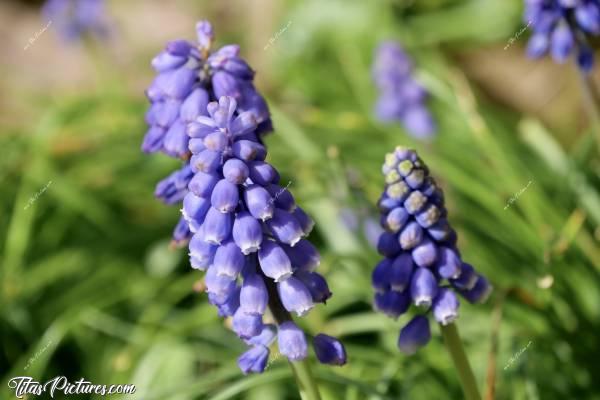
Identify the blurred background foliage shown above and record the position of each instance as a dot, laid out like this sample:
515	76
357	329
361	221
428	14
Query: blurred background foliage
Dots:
90	288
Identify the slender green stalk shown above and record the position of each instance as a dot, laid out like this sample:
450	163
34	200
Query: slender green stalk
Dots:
306	383
461	363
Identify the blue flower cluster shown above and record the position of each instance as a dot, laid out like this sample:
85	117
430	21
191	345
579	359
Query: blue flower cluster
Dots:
189	77
249	237
422	264
401	97
75	18
243	229
561	27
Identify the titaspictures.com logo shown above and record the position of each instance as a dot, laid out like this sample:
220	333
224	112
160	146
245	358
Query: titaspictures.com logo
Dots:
24	385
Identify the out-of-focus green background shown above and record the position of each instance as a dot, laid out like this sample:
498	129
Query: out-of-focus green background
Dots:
89	286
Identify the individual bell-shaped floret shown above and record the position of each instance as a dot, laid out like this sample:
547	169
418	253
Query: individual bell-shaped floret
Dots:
228	260
254	297
254	360
274	262
445	306
423	287
413	335
329	350
295	296
292	341
247	232
246	325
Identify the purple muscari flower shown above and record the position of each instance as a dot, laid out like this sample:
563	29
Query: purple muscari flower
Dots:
306	222
253	296
284	200
230	306
194	209
415	334
448	264
400	272
173	188
266	336
205	35
181	233
248	233
467	279
254	360
201	252
246	325
247	150
396	219
295	295
179	97
274	262
74	19
380	278
202	184
217	226
261	173
292	342
401	97
388	244
392	303
259	202
563	28
235	171
423	287
425	253
228	260
220	286
285	227
204	159
175	142
421	262
304	256
329	350
445	306
225	196
316	284
479	292
410	236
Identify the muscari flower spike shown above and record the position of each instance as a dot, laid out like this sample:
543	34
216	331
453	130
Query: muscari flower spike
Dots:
401	97
189	76
250	238
421	265
73	19
562	27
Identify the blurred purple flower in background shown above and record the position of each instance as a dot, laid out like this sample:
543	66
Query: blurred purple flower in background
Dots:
561	27
422	264
74	19
401	98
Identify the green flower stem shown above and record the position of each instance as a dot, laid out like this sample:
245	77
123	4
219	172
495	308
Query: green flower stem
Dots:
306	383
457	352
